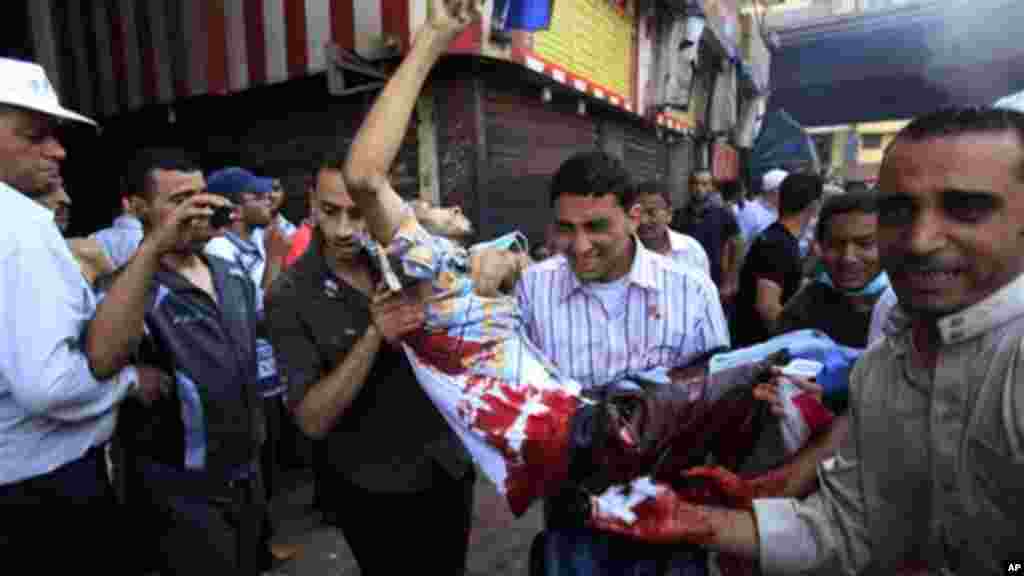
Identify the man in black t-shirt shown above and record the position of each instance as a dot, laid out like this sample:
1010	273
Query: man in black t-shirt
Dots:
772	273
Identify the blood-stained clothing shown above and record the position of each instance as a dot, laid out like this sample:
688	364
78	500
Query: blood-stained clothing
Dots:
671	315
931	471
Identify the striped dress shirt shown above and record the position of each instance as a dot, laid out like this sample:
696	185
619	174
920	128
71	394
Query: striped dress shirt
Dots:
672	314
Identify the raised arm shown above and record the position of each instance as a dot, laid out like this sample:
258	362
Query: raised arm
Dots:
380	137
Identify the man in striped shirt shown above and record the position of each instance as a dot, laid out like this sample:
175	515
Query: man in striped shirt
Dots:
608	306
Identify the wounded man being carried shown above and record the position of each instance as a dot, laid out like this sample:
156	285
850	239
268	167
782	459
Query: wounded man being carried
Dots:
530	429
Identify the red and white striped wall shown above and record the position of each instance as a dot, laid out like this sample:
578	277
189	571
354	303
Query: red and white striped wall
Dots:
110	56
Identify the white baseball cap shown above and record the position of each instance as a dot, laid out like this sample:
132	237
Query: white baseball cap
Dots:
25	85
772	179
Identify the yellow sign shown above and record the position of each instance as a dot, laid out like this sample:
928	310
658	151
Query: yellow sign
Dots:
592	39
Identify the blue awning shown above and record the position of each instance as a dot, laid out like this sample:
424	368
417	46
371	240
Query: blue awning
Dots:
900	64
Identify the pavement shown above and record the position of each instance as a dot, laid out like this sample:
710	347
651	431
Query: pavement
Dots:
499	543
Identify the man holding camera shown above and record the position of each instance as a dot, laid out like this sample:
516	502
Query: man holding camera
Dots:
193	445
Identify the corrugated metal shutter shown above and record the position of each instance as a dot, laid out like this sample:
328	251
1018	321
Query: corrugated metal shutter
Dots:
526	142
643	154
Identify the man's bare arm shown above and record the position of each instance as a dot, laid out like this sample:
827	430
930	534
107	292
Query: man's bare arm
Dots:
769	302
330	397
380	137
802	472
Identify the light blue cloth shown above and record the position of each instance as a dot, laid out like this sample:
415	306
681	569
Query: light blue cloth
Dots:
838	360
873	288
753	218
121	240
52	409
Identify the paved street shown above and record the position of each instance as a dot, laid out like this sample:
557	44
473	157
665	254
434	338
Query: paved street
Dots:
499	544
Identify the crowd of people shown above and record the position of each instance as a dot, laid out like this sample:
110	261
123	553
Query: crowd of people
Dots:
151	369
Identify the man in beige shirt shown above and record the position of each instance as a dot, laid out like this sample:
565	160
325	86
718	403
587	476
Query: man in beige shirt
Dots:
930	478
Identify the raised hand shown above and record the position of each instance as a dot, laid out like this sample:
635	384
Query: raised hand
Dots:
176	227
452	16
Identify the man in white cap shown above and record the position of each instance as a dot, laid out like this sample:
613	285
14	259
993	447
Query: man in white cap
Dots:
55	415
763	209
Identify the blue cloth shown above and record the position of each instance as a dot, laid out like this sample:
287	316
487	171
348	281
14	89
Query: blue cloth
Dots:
838	361
52	409
577	551
121	240
873	288
527	15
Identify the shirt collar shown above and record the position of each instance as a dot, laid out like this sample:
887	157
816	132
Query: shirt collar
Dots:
642	273
676	241
998	309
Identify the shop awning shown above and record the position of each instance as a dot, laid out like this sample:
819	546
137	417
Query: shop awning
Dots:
900	64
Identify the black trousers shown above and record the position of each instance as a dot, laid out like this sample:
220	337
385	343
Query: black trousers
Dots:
196	526
66	517
379	527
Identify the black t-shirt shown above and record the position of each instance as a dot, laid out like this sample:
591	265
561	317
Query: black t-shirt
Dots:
774	256
712	226
823	308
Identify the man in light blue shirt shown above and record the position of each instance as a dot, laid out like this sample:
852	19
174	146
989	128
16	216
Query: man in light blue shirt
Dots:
122	239
55	416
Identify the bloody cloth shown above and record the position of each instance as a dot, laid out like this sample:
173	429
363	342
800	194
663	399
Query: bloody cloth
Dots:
516	414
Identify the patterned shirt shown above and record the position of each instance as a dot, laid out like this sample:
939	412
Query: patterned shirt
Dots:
672	314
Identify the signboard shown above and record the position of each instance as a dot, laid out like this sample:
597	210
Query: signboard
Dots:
593	41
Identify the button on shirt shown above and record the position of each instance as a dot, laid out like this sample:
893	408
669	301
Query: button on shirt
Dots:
940	480
687	250
670	315
52	409
121	240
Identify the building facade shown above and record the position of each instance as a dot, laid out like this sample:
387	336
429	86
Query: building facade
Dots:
277	85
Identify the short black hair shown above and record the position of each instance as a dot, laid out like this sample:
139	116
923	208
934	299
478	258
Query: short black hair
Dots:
138	181
798	191
652	188
593	174
965	120
861	201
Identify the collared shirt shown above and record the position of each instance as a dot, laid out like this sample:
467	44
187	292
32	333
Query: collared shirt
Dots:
121	240
672	314
52	409
931	468
391	438
687	250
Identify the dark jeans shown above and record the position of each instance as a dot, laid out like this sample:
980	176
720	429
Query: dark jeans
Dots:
380	527
270	458
68	517
197	525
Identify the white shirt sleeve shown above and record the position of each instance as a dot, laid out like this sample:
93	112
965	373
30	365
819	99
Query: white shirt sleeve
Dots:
827	532
45	306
